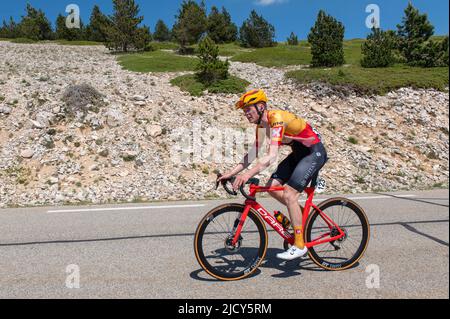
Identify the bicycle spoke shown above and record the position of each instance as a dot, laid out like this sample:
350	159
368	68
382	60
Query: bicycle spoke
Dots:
347	247
216	244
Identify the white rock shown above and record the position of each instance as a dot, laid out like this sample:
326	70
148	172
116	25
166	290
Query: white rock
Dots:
28	153
37	124
5	109
153	130
114	118
53	180
139	98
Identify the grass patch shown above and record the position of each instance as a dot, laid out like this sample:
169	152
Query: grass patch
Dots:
189	83
22	40
353	140
285	55
225	49
66	42
278	56
232	49
164	45
21	174
376	80
157	61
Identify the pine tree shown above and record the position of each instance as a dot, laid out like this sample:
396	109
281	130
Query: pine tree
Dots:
293	39
210	68
191	24
378	49
162	32
256	32
444	52
35	25
220	27
327	41
9	30
231	29
98	26
414	31
430	54
62	32
124	34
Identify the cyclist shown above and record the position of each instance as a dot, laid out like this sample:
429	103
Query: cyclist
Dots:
295	172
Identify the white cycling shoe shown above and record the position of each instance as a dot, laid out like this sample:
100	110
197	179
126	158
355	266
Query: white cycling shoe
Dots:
293	253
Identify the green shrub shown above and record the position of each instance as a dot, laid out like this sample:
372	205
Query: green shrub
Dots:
353	140
210	68
378	49
327	41
431	54
293	39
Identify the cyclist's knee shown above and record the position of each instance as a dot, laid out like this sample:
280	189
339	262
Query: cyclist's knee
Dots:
274	183
290	195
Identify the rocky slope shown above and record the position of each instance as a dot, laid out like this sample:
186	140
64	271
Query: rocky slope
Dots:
127	144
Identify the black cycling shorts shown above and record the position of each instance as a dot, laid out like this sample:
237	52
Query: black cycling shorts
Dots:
301	166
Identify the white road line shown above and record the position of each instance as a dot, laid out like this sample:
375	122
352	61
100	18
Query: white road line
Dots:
120	208
368	197
198	205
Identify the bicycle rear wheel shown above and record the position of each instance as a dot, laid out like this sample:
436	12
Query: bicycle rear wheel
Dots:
346	251
212	243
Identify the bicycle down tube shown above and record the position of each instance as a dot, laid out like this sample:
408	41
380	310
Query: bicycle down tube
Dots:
269	219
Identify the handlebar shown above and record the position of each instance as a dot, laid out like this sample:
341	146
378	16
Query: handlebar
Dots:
254	181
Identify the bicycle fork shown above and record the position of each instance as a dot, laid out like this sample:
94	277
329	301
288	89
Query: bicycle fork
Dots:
238	228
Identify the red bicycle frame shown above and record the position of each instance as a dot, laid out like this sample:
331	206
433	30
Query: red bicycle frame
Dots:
273	222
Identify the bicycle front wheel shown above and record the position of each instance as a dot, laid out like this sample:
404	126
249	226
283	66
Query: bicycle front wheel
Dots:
213	248
346	251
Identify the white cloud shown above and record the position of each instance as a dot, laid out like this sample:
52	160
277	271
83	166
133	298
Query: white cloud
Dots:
269	2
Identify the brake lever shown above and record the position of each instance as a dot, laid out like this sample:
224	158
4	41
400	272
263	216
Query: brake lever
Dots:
217	180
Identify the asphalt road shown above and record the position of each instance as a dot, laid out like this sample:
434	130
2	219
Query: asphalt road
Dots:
146	251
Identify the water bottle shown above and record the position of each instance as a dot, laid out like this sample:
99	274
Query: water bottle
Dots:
284	221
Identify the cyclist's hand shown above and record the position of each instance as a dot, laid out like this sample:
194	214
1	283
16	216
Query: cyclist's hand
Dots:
240	180
224	177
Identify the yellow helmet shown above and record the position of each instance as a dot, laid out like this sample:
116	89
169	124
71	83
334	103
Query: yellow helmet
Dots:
250	98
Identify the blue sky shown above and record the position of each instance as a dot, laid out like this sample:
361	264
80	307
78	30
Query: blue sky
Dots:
285	15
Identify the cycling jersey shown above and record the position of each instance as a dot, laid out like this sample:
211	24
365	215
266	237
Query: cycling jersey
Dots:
286	128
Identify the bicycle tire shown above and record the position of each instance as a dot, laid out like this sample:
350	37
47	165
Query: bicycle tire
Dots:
216	270
314	252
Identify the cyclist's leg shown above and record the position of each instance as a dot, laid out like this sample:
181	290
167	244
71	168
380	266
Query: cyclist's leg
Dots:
308	167
282	175
302	176
279	194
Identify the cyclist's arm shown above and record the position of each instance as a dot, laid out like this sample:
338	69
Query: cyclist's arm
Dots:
247	160
265	161
277	131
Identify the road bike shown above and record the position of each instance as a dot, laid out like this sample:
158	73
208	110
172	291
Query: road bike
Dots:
231	241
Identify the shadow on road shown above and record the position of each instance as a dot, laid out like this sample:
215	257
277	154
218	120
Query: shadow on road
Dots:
287	269
414	230
420	200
